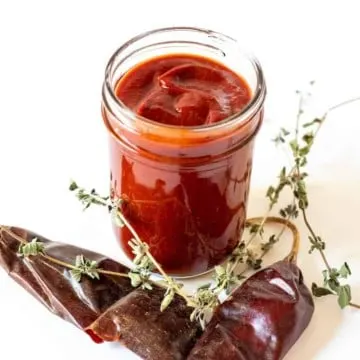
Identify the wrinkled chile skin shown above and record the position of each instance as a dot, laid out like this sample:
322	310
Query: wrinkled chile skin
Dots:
261	320
52	284
138	323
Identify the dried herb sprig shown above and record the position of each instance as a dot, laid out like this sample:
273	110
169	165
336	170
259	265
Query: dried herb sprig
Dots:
289	212
243	253
203	301
226	278
207	296
300	143
33	248
144	262
84	266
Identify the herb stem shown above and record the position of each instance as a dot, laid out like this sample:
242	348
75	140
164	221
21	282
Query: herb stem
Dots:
356	306
261	225
100	200
92	197
343	103
166	277
287	224
137	238
298	117
112	273
252	237
57	261
312	232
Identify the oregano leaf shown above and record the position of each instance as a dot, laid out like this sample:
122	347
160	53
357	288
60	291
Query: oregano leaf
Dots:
318	291
344	296
344	271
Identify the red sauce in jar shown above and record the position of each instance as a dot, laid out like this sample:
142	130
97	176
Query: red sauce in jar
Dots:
186	199
183	91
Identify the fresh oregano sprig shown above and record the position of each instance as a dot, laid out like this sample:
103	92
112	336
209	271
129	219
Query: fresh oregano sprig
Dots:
300	143
84	266
207	297
33	248
144	260
202	302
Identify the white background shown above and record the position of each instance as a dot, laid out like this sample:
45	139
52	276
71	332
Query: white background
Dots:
52	60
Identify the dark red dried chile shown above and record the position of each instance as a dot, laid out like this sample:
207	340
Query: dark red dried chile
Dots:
137	320
261	320
109	309
77	303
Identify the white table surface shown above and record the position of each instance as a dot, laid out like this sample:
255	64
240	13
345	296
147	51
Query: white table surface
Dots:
52	60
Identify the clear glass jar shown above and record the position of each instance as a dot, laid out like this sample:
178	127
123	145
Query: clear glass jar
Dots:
185	189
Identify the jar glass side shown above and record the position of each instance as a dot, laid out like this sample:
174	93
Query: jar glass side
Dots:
185	190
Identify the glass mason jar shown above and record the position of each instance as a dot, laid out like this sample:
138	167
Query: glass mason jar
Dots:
184	189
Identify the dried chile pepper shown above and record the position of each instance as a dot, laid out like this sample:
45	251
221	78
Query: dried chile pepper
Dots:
53	285
263	318
136	321
108	309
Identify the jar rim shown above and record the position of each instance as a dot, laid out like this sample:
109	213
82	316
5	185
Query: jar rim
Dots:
237	118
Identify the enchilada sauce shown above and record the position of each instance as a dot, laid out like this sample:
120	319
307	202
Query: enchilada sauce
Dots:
185	197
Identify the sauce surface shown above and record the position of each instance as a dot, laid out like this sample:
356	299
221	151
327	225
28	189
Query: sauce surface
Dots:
190	215
183	90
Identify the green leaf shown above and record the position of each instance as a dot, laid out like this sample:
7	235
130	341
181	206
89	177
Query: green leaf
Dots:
294	146
88	198
303	161
315	121
325	274
344	271
193	315
240	277
76	274
167	300
344	296
135	279
320	291
304	151
84	266
146	286
270	191
79	260
256	229
308	138
219	270
278	139
33	248
73	186
283	174
270	243
333	285
204	286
